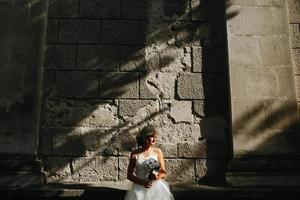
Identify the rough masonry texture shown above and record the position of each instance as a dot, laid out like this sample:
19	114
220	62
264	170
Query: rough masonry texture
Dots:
219	79
114	66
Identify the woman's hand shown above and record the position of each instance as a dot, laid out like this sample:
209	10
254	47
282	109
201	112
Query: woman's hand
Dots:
148	184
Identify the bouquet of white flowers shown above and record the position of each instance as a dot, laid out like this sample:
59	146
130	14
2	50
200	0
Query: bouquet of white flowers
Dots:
152	166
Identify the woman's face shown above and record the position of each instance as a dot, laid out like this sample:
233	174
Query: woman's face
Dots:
151	140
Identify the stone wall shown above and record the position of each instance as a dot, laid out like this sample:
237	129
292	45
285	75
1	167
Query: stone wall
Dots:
294	23
114	66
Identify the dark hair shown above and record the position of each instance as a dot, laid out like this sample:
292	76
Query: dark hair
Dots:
145	132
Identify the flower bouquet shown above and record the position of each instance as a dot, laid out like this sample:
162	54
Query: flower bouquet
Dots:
152	166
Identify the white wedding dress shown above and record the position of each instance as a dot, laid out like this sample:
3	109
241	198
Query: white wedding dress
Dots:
158	191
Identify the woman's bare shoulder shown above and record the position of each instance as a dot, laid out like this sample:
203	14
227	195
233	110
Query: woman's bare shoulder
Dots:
135	152
157	150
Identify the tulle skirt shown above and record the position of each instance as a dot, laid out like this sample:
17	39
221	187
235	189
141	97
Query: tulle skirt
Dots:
159	191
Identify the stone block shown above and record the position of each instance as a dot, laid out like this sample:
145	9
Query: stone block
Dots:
173	59
200	168
100	9
52	28
177	133
244	49
194	86
133	58
294	11
104	115
79	31
60	57
285	80
77	84
94	169
199	107
280	54
295	35
181	111
258	20
191	33
197	149
160	84
98	57
122	32
259	3
147	91
123	166
182	170
59	169
65	142
134	9
107	168
280	114
197	58
126	85
297	82
169	150
296	59
63	8
130	107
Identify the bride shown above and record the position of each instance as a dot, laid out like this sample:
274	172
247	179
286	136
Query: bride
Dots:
146	169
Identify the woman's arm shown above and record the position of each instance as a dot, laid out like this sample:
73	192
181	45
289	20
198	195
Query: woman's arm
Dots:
162	172
132	177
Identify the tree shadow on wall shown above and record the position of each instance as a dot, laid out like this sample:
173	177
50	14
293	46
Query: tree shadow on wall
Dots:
84	78
268	135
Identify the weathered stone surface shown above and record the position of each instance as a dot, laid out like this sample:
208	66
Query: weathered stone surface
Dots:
133	58
130	107
125	85
98	57
169	150
122	169
197	58
181	111
94	169
294	11
198	107
79	31
295	35
296	59
182	170
279	54
159	85
100	9
63	8
200	168
59	169
145	88
60	57
176	133
194	86
192	150
175	59
122	32
76	84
